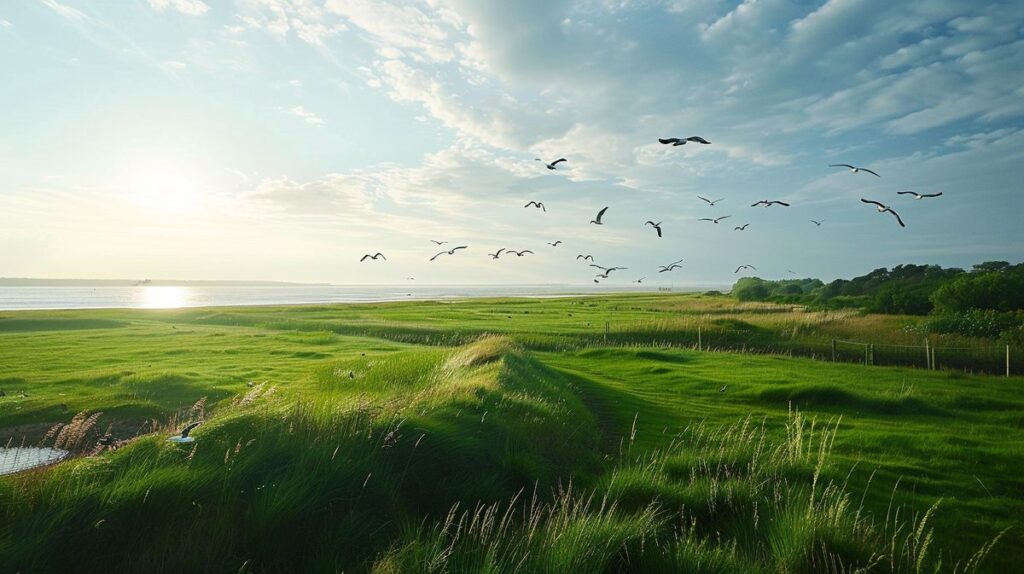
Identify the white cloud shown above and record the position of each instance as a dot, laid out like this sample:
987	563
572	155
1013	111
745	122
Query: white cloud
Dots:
5	23
189	7
306	116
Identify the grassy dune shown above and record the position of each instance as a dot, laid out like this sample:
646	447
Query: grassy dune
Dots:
497	436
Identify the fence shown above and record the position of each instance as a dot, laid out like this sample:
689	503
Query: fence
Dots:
994	359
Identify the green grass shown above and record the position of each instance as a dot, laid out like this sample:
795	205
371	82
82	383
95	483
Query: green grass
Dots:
499	436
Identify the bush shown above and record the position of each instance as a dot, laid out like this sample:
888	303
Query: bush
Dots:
978	323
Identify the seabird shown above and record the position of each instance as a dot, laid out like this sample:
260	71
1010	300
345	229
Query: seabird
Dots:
538	205
741	227
183	437
715	220
882	208
449	252
768	204
682	141
854	168
436	242
918	195
521	253
818	223
496	254
640	280
552	164
656	226
600	214
375	256
664	268
744	267
711	203
609	269
555	243
585	257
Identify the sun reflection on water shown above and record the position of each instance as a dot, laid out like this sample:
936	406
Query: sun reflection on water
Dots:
164	297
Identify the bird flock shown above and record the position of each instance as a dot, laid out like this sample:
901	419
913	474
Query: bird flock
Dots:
656	226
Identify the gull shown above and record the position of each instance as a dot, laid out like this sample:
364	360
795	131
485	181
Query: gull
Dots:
410	278
709	202
656	226
744	267
854	169
682	141
552	164
818	223
436	242
585	257
183	437
767	203
670	267
520	253
882	208
600	214
375	256
538	205
496	254
715	220
918	195
791	272
609	269
449	252
640	280
555	243
741	227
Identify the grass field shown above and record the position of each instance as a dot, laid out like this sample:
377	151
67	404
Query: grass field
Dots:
500	436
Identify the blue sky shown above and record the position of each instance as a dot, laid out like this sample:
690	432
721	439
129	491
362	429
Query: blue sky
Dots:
282	139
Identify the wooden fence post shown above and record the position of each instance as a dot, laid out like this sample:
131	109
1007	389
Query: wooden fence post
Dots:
1007	360
700	345
833	350
607	327
927	354
871	352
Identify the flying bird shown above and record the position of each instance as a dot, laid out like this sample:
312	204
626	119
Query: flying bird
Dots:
682	141
744	267
768	204
600	214
882	208
656	226
709	202
715	220
741	227
436	242
520	253
449	252
640	280
496	254
918	195
375	256
552	164
664	268
585	257
818	223
538	205
854	168
609	269
183	437
555	243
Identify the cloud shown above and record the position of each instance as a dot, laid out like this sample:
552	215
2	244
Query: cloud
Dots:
4	24
306	116
66	12
188	7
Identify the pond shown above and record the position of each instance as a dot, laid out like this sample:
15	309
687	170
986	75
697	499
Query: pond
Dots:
23	458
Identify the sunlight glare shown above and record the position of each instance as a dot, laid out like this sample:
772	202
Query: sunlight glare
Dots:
164	297
167	189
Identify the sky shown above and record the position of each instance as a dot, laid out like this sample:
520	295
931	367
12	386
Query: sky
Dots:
284	139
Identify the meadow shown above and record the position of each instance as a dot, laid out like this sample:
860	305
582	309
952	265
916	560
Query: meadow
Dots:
502	435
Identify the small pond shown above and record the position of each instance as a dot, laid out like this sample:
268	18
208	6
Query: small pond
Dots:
23	458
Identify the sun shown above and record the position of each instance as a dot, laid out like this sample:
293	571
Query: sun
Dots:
167	189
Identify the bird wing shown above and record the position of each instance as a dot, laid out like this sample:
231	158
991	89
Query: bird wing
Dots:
454	249
782	203
758	203
530	203
524	251
542	208
364	258
869	171
668	140
580	256
697	139
897	216
872	202
438	255
705	199
841	165
931	194
600	214
752	267
599	267
723	217
556	162
651	223
658	227
705	219
906	193
188	429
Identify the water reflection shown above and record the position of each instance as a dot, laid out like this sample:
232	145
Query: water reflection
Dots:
164	297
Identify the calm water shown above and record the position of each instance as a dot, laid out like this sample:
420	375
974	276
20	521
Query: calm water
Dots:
23	458
169	297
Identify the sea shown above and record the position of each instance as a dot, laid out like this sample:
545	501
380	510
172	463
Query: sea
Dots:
179	296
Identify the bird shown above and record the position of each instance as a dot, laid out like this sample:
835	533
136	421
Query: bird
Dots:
640	280
767	203
741	227
183	437
722	390
496	254
744	267
555	243
600	214
709	202
791	272
375	256
609	269
538	205
552	164
436	242
449	252
585	257
670	267
656	226
520	253
818	223
715	220
854	169
918	195
682	141
882	208
410	278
